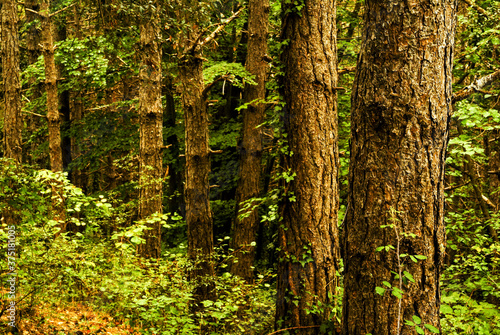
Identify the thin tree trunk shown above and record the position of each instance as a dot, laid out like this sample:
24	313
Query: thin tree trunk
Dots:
251	146
151	135
11	80
53	118
401	106
308	236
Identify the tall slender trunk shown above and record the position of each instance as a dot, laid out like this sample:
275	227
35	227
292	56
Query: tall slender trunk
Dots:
401	106
308	237
151	135
54	120
244	231
11	80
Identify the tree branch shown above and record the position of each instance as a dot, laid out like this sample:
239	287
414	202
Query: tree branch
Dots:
62	10
207	88
201	42
475	86
346	70
40	115
478	9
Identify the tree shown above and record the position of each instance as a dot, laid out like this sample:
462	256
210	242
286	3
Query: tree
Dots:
401	104
53	117
251	145
11	81
308	236
197	187
196	191
151	134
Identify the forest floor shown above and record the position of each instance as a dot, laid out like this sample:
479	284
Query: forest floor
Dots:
73	319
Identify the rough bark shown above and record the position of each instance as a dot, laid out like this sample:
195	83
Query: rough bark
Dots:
244	231
196	190
308	237
11	80
401	105
151	135
53	118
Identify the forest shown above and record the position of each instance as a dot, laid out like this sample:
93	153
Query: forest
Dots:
256	167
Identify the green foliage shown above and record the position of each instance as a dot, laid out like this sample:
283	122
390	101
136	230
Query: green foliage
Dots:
105	272
233	72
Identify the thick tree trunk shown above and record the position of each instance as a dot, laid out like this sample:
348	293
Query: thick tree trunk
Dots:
54	120
401	104
11	80
151	135
244	231
308	237
196	191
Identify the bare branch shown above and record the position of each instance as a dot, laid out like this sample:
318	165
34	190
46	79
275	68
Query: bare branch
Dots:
475	86
207	88
201	42
347	70
40	115
62	10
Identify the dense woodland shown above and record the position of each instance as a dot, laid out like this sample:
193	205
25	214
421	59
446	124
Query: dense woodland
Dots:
250	167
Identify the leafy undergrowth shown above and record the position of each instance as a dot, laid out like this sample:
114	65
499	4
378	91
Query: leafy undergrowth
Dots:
75	318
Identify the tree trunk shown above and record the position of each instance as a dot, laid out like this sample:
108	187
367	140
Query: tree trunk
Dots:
11	80
54	120
251	146
196	191
151	135
401	106
308	236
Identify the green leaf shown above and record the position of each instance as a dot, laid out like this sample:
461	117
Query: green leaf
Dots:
419	330
397	293
379	249
380	290
409	323
409	276
431	328
421	257
446	309
387	284
416	319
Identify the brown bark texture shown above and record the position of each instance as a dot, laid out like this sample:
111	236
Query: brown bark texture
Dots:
11	81
308	237
53	117
244	231
151	135
196	191
401	106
